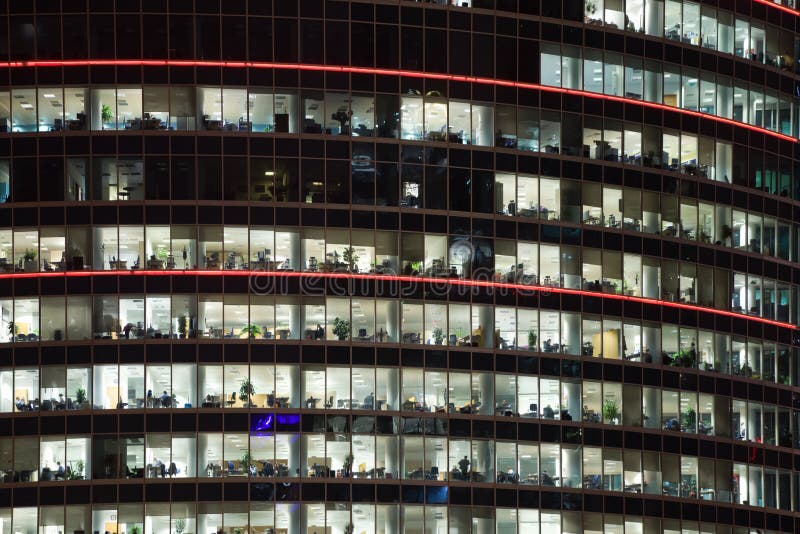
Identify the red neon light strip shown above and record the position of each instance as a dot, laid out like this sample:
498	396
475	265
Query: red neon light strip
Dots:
778	6
408	279
383	72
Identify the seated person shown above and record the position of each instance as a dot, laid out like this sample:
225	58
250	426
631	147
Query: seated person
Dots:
463	466
267	470
59	474
548	412
369	401
166	399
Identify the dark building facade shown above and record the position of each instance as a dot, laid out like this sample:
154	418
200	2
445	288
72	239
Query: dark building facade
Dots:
349	266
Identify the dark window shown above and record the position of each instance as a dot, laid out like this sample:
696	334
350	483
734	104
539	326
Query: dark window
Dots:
233	38
286	35
156	174
235	178
482	55
128	36
337	40
311	41
436	50
101	38
22	37
313	185
389	56
51	172
506	61
387	113
23	179
209	175
181	37
75	43
363	44
48	37
286	180
260	36
183	178
412	44
460	58
208	45
387	178
262	176
436	187
459	189
482	191
155	44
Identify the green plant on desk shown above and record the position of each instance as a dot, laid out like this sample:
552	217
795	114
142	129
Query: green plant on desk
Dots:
77	471
341	328
180	525
182	326
80	396
246	391
532	340
246	460
611	411
689	420
438	336
106	114
350	257
251	330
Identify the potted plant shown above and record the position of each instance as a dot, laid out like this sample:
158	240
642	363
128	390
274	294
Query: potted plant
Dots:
251	330
135	529
341	328
689	420
182	326
746	370
348	465
80	397
611	412
438	336
180	525
246	391
349	528
29	261
106	114
342	117
13	330
77	471
532	340
246	460
350	257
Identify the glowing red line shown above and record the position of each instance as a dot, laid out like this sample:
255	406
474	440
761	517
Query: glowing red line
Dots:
408	279
388	72
778	6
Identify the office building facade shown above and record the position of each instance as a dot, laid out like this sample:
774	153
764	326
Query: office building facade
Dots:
349	266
